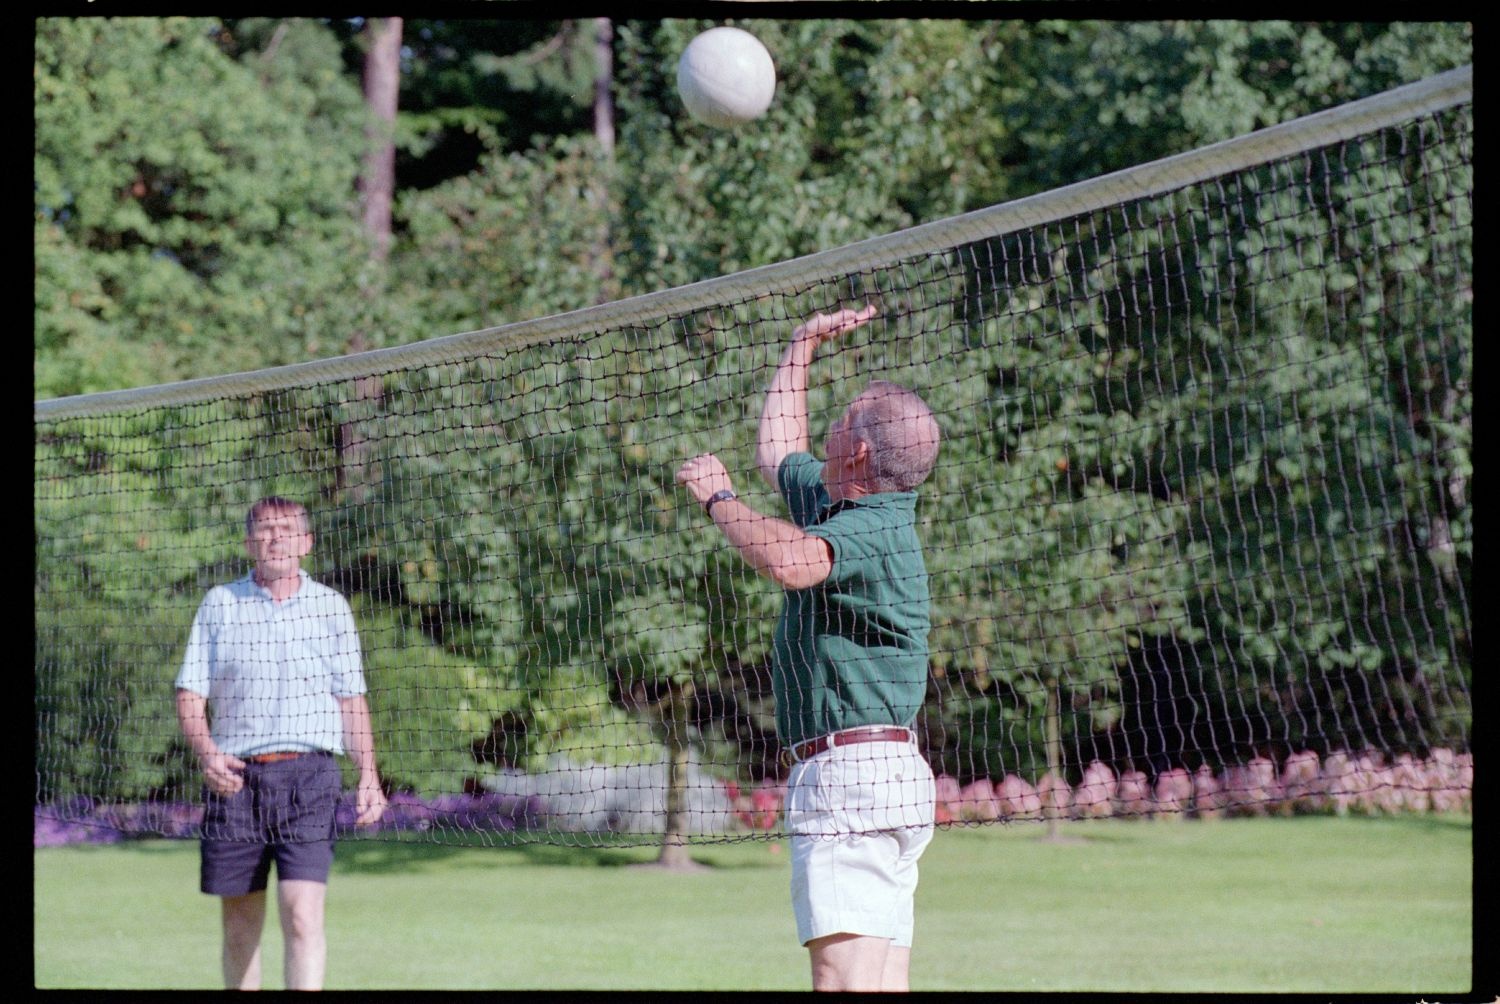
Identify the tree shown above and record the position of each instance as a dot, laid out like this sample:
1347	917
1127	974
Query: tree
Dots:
210	235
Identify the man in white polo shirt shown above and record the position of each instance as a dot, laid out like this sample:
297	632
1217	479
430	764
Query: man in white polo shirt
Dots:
270	690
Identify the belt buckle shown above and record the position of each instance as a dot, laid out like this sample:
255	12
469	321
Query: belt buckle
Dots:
789	755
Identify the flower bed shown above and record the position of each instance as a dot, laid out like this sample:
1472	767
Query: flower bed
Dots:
1341	783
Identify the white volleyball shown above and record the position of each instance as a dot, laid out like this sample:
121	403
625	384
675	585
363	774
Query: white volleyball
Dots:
726	77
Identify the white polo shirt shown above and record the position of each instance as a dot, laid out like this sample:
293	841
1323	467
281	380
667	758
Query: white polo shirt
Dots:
273	672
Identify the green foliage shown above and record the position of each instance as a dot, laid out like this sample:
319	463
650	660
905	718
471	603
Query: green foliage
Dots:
470	85
1090	97
522	236
104	706
193	211
421	694
1241	433
877	125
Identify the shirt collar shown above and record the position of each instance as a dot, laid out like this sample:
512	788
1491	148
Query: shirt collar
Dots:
262	592
879	500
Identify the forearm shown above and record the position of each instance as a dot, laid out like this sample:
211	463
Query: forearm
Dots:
192	716
221	771
359	740
783	417
775	548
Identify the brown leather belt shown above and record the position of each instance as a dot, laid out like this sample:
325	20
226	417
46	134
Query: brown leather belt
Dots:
272	757
846	737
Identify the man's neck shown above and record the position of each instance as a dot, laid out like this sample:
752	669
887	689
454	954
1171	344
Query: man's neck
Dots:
852	491
281	588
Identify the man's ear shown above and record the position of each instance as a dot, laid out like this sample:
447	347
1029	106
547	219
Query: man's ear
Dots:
305	544
859	456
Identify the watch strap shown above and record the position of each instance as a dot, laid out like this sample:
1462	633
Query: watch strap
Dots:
722	495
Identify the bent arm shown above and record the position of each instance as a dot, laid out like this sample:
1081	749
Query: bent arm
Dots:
775	548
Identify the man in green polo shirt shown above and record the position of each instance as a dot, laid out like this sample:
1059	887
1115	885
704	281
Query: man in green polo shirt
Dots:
849	666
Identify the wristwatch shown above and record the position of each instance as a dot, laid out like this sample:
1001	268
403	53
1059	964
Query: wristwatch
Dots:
722	495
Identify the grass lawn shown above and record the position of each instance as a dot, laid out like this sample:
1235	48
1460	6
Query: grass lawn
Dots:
1307	904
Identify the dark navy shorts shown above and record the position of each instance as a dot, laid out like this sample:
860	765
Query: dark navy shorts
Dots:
284	813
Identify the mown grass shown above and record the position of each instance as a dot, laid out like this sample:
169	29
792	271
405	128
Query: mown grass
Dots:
1307	904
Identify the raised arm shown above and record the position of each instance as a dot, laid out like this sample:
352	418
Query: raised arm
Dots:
783	417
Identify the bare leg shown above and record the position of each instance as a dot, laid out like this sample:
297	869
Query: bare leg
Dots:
301	907
849	962
244	916
896	977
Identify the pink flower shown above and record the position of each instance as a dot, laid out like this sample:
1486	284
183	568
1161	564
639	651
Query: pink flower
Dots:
1095	794
1133	794
1174	791
977	800
1018	798
1208	794
1055	796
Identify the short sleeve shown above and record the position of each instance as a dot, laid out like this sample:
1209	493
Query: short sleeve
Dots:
856	545
193	675
867	545
800	479
346	672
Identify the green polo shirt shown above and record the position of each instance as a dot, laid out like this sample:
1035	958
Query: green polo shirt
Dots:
851	650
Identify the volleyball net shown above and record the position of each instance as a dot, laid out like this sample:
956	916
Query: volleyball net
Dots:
1199	539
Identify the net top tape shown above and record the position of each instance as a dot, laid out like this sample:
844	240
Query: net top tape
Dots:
1445	90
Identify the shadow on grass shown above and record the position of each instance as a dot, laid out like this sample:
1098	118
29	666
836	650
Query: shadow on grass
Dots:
1123	831
375	856
152	846
383	855
1072	833
1433	823
379	856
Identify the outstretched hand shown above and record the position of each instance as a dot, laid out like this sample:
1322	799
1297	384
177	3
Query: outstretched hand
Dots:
702	476
826	327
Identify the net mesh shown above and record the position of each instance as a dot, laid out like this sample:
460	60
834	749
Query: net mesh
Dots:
1199	540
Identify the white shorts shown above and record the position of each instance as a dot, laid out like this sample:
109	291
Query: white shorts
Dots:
859	817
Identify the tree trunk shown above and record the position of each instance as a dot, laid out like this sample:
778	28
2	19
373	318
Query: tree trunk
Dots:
604	133
674	847
377	187
604	102
382	83
1054	743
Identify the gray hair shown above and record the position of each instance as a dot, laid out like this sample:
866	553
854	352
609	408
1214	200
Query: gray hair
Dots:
901	432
